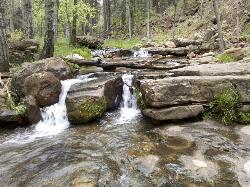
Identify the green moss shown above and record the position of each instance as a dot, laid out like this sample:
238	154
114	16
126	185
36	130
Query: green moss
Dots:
226	58
139	99
225	108
94	108
20	108
17	35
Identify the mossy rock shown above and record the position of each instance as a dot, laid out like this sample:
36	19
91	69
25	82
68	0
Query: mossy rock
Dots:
86	110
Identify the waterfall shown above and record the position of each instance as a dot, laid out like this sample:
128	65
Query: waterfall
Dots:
142	53
54	118
129	108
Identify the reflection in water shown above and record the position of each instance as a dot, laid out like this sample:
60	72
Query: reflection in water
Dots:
124	149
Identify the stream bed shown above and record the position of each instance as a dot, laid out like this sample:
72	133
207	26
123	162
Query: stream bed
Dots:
125	149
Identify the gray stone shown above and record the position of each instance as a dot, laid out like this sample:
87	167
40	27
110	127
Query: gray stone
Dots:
174	113
234	68
88	101
191	89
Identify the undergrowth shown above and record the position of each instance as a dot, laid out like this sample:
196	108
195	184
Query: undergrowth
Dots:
225	108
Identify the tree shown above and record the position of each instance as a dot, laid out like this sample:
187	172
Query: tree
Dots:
174	21
129	18
219	26
4	51
148	18
28	24
106	15
73	30
50	28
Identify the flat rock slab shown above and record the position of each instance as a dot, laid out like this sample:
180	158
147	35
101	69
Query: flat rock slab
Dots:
234	68
191	89
174	113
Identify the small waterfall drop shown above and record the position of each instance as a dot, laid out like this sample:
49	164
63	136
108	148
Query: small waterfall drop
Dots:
54	118
129	108
142	53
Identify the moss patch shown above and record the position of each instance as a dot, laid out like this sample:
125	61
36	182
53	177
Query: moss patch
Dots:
226	58
139	99
91	108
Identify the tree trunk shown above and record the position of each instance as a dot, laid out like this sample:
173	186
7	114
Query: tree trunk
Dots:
50	28
4	51
106	15
238	29
148	18
174	22
218	19
74	23
28	24
129	18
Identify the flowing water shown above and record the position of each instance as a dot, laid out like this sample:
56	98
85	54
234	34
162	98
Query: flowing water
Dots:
123	149
142	53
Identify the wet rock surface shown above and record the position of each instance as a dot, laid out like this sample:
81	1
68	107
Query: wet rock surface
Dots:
88	101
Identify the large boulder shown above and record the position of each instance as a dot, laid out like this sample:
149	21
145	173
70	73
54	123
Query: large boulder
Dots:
192	89
45	87
56	66
180	42
26	44
88	101
89	41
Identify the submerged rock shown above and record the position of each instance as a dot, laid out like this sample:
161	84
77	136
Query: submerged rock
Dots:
88	101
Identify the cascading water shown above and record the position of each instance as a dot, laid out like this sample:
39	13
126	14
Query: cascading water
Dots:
142	53
54	118
129	108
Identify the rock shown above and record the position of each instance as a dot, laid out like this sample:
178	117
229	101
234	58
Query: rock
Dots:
146	164
116	53
9	118
57	66
33	110
174	113
90	42
170	44
234	68
191	55
180	42
203	60
45	87
88	101
191	89
26	44
149	44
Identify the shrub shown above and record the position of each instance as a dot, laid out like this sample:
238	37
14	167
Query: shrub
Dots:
225	108
15	36
139	99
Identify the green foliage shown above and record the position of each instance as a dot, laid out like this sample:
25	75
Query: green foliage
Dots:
84	52
73	66
225	108
226	58
20	108
121	43
246	31
15	36
139	99
63	48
